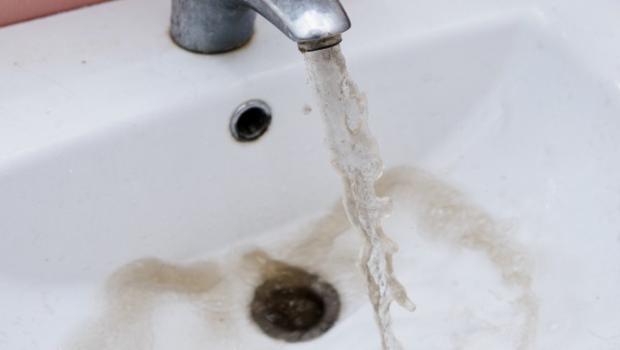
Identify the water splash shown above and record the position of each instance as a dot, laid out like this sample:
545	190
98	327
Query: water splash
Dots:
356	156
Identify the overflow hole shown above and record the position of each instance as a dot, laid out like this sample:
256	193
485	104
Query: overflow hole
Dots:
250	121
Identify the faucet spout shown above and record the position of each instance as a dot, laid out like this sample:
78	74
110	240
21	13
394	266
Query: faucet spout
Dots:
310	23
213	26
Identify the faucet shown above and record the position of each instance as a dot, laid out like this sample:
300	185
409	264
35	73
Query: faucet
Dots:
214	26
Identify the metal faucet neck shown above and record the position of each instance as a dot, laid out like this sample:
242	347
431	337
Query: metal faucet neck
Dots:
213	26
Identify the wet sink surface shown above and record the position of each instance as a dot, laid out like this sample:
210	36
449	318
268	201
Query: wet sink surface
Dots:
501	143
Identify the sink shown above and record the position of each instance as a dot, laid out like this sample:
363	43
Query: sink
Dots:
116	160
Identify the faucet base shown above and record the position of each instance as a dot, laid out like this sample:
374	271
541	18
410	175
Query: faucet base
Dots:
210	26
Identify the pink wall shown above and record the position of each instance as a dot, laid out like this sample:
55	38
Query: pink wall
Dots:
12	11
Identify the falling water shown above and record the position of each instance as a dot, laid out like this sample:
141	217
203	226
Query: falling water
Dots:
355	155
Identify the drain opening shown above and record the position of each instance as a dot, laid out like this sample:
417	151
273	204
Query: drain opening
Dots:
294	305
250	120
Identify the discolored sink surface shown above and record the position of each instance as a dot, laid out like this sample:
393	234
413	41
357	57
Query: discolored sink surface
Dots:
507	114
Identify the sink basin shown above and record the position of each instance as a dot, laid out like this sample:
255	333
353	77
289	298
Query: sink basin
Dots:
494	123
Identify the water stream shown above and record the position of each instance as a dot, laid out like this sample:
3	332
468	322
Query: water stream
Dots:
355	155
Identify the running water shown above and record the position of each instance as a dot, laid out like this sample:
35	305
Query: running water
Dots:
355	155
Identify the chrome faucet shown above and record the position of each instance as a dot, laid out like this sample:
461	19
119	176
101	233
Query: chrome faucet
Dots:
213	26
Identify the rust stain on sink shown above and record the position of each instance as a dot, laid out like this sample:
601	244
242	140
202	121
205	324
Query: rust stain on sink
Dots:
221	291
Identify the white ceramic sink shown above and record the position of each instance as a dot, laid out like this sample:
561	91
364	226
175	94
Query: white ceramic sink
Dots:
114	147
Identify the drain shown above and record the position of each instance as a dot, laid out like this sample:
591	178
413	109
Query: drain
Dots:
250	120
294	305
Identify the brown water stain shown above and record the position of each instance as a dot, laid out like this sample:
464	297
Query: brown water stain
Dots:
221	291
444	214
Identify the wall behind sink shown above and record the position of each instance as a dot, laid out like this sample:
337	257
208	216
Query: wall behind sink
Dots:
13	11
